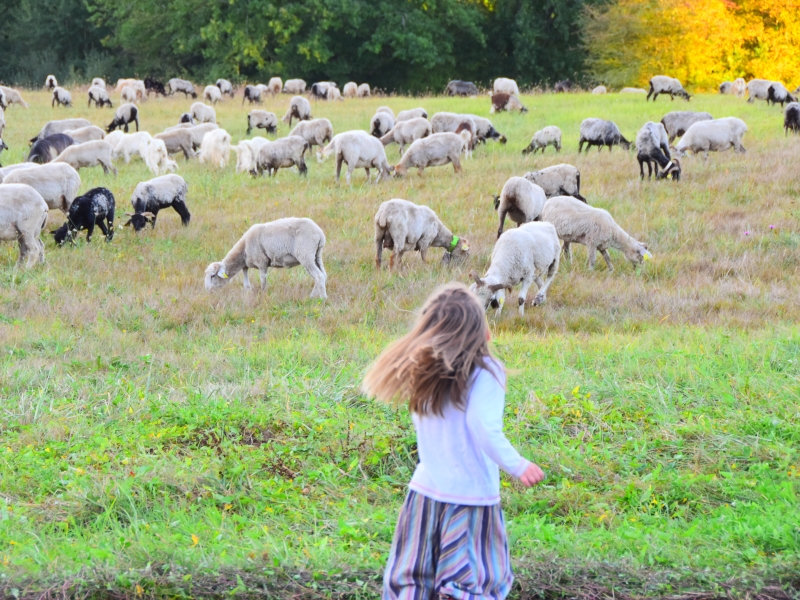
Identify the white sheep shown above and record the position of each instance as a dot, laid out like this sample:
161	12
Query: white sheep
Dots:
406	132
713	136
599	90
558	180
677	122
212	94
157	158
51	82
262	119
520	200
224	86
178	140
85	134
23	216
115	137
216	148
247	154
56	183
758	89
364	91
317	132
504	85
98	95
520	256
202	113
433	151
447	122
350	89
90	154
275	85
387	110
198	133
506	102
407	115
380	124
61	97
632	90
598	132
550	135
334	94
128	94
661	84
577	222
283	153
181	85
130	145
739	87
299	108
652	146
13	97
284	243
403	226
358	150
99	82
484	130
294	86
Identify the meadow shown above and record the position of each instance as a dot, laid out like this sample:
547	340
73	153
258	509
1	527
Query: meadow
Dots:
160	440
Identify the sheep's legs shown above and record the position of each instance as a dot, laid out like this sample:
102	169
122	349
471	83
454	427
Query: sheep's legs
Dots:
103	228
502	222
247	285
641	169
567	251
339	161
541	295
592	256
319	281
89	232
262	275
523	294
378	252
607	258
501	299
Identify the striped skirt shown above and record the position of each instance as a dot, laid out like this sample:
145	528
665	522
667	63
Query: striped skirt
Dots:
445	550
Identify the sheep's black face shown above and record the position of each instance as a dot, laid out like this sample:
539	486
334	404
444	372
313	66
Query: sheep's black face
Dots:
138	222
61	234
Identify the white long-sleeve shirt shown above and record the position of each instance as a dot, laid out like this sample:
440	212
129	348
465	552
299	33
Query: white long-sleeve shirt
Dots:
461	452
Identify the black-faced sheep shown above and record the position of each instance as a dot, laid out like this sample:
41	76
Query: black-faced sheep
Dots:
725	87
677	122
61	97
2	147
501	102
436	150
261	119
46	149
150	197
520	200
225	87
23	215
252	94
358	150
125	114
299	108
461	88
791	118
661	84
713	136
777	93
598	132
550	135
99	96
183	86
155	86
380	124
484	130
283	153
95	207
652	146
758	89
51	82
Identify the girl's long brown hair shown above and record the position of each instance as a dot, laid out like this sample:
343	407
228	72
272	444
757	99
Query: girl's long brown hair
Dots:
432	364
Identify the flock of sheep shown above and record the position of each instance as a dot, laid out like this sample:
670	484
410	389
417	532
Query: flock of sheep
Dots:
546	204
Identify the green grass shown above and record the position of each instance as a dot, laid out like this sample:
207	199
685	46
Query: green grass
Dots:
144	421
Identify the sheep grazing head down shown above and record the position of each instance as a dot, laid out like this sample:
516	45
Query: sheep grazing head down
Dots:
62	234
458	251
216	276
637	253
487	294
139	220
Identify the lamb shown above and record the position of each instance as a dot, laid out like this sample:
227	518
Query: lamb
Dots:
149	197
738	88
131	144
284	243
758	89
23	216
677	122
95	207
715	136
316	131
202	113
157	158
247	154
558	180
90	154
85	134
521	200
349	90
299	108
543	138
503	85
661	84
225	87
114	138
261	119
435	150
99	82
252	94
580	223
403	226
13	97
275	85
597	132
467	132
520	256
216	148
128	95
198	133
155	86
363	91
283	153
407	132
183	86
56	183
501	102
99	95
461	88
178	140
599	90
652	146
124	115
212	94
358	150
777	92
294	86
137	84
484	130
51	82
48	148
61	97
791	118
407	115
380	124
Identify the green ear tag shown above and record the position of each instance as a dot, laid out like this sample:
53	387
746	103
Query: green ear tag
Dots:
454	243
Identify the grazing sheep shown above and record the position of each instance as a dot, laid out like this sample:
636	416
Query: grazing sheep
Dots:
114	138
676	123
317	132
461	88
216	148
403	226
661	84
599	90
23	215
407	115
595	228
186	118
275	85
364	91
99	95
13	97
61	97
283	153
334	93
252	94
299	108
159	193
131	144
324	90
597	132
6	171
225	87
558	180
520	256
632	90
212	94
563	86
51	82
447	122
380	124
155	86
758	89
198	133
56	183
652	146
48	148
791	118
247	154
433	151
183	86
178	140
777	92
673	170
90	154
349	90
714	136
124	115
128	95
284	243
294	86
85	134
739	87
521	200
358	150
504	85
261	119
725	87
121	83
467	132
484	130
202	113
388	110
157	158
95	207
406	132
550	135
501	102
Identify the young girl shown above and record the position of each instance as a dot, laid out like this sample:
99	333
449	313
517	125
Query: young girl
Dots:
450	540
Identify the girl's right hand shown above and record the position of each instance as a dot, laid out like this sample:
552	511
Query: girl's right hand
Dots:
532	475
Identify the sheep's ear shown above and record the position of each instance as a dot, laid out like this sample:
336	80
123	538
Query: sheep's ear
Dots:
496	200
127	214
477	278
127	223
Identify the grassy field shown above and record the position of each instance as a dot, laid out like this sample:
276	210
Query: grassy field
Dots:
159	439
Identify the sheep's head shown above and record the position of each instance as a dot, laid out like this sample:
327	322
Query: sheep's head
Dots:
400	170
216	275
487	294
139	220
3	145
62	234
457	251
637	253
496	201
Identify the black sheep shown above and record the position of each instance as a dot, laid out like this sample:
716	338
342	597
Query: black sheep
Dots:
49	147
95	207
791	118
563	86
461	88
153	85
